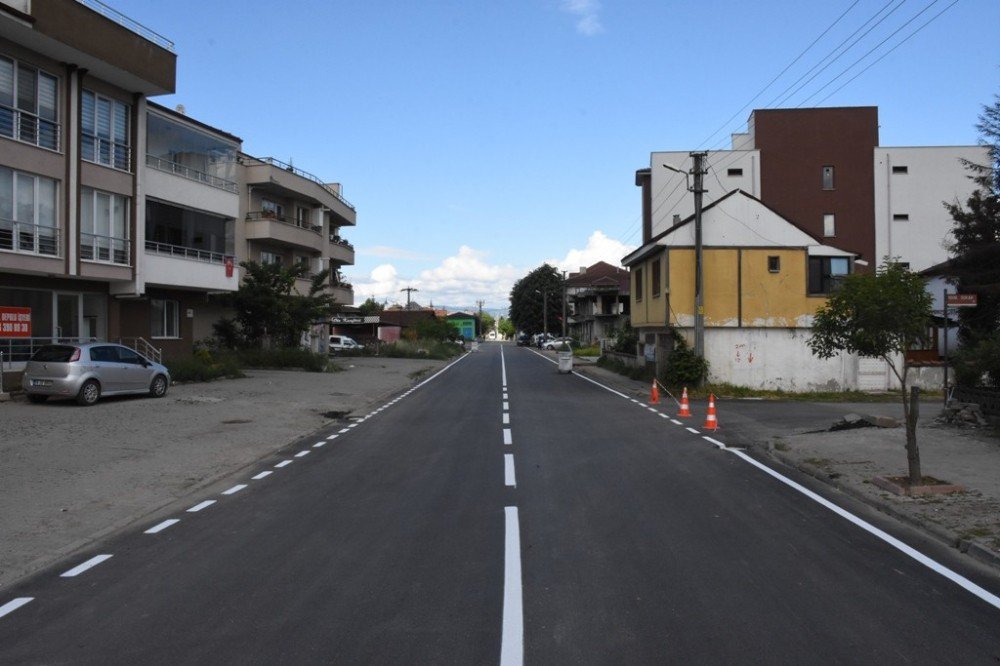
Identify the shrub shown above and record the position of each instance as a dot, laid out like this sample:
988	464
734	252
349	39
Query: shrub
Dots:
202	367
284	357
684	367
588	351
978	364
421	349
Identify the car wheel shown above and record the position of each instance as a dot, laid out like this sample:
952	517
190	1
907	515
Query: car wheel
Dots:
37	399
158	388
89	393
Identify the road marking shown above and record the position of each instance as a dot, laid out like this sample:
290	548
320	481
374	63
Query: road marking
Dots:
505	396
506	418
302	453
353	425
663	416
676	422
202	505
503	370
235	489
713	441
159	528
333	436
506	406
653	409
319	444
13	605
512	638
80	568
692	430
507	439
342	431
961	581
508	470
634	400
262	475
284	463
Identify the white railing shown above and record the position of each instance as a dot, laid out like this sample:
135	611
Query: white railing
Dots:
29	128
305	174
144	347
29	238
167	166
105	249
107	152
187	253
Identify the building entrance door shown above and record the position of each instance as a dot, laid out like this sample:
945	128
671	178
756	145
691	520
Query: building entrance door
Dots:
69	313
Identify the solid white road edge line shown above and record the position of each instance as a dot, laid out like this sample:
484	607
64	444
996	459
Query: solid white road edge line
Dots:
235	489
201	505
162	526
959	580
14	604
80	568
713	441
508	470
440	372
507	438
512	638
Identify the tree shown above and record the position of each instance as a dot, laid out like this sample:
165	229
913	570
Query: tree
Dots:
974	267
268	310
486	323
434	329
506	328
542	286
371	307
878	315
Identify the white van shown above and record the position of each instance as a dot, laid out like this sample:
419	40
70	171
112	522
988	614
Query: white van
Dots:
339	343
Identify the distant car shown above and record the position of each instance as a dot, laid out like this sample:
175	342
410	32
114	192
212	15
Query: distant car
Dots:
557	343
88	372
542	338
523	340
341	343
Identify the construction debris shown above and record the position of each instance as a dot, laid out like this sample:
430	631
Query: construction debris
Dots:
963	415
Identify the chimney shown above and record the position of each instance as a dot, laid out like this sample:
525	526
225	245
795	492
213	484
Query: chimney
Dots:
677	218
583	269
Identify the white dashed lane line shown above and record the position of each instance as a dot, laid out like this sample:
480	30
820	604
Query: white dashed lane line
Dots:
507	437
676	422
284	463
300	454
203	505
89	564
318	445
693	431
235	489
162	526
342	431
262	475
333	436
13	605
506	418
508	470
506	406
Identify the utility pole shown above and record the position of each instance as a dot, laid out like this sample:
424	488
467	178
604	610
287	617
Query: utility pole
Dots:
564	304
698	170
408	290
479	323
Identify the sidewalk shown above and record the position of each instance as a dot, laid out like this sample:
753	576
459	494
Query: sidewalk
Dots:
850	459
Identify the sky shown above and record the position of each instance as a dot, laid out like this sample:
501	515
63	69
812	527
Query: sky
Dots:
479	139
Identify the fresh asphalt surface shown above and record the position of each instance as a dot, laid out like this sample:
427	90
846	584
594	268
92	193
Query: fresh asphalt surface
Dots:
609	535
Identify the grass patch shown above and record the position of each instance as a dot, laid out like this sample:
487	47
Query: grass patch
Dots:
203	367
615	365
283	358
818	462
779	445
587	352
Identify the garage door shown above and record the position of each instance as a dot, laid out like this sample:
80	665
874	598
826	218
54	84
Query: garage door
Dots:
873	374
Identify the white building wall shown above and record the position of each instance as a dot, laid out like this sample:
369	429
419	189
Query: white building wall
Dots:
933	175
670	195
190	193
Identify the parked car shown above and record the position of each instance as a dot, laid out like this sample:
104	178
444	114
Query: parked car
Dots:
341	343
557	343
523	340
88	372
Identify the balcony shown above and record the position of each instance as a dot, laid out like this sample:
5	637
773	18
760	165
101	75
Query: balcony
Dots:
105	249
29	128
264	225
186	267
284	180
29	238
176	169
104	151
341	251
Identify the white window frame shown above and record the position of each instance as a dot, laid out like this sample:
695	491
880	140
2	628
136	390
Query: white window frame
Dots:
34	125
166	313
108	244
829	225
267	257
115	149
29	233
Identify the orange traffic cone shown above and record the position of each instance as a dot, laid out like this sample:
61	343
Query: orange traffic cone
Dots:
711	423
685	406
654	395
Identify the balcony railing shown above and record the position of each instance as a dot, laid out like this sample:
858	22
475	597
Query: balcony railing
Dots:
337	240
128	23
308	176
29	238
167	166
188	253
107	152
29	128
257	215
105	249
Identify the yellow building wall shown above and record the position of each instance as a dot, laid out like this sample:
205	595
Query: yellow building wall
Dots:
721	288
650	310
777	299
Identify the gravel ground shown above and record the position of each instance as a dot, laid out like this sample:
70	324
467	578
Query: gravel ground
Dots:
69	474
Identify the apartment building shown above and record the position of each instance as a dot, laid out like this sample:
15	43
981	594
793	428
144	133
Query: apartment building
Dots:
121	218
598	298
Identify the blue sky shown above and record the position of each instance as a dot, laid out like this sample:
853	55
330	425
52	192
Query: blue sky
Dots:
480	139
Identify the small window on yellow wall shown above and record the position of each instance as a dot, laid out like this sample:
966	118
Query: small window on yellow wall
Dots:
656	278
774	264
638	284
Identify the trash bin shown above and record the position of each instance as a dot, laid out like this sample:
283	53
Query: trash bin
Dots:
566	361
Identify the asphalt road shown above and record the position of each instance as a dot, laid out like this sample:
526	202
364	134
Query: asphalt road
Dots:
561	524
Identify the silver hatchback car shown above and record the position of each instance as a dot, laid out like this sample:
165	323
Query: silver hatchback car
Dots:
88	371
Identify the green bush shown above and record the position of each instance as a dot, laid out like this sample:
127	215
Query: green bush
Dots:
588	352
684	367
202	367
978	363
422	349
286	357
624	339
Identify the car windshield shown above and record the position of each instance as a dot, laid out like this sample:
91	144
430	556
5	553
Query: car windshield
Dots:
54	354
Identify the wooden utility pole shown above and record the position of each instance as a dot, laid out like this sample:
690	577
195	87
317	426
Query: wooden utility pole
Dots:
408	290
698	170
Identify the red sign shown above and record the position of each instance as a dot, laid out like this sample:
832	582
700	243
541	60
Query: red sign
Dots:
229	266
961	300
15	322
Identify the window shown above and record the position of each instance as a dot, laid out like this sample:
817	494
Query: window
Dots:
104	227
735	172
824	273
269	258
165	318
638	284
302	217
28	213
900	170
269	208
774	264
829	225
655	271
828	178
169	226
29	99
179	149
104	128
900	217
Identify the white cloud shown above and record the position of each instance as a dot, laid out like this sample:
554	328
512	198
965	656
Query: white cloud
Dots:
599	248
589	23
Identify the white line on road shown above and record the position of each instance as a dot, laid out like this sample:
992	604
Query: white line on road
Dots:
262	475
302	453
676	422
653	409
155	529
319	444
201	505
13	605
284	463
692	430
503	370
333	436
508	470
506	406
80	568
353	425
507	439
506	418
235	489
663	416
343	430
512	638
713	441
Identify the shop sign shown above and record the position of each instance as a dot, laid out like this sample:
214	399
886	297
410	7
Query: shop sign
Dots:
15	322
